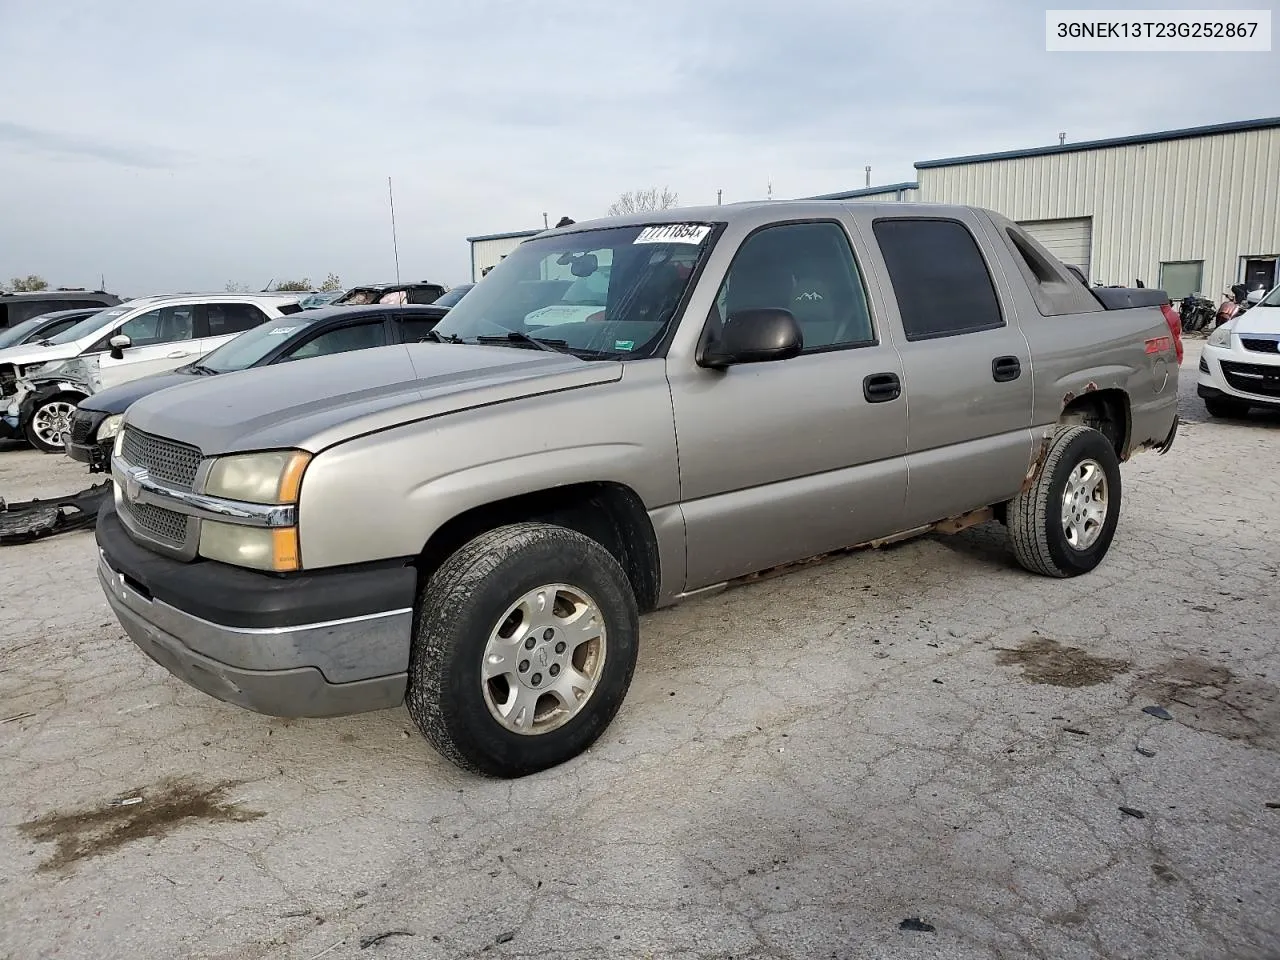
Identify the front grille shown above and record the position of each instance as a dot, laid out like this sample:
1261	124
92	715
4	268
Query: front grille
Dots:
166	460
1258	345
1252	378
162	524
83	425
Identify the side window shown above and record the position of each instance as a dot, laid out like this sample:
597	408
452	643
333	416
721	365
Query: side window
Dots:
415	327
358	336
228	318
807	268
939	278
165	325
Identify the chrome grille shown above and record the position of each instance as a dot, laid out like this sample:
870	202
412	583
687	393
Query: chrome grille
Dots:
162	524
166	460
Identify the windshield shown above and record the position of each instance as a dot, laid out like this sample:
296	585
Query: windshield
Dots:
597	293
251	346
12	335
91	325
454	295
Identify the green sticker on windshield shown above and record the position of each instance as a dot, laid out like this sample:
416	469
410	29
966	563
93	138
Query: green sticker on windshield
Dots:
624	344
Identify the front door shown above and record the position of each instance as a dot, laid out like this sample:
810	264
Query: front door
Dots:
159	340
788	459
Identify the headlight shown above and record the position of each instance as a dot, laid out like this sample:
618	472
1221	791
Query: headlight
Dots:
1221	337
273	477
118	447
258	547
110	427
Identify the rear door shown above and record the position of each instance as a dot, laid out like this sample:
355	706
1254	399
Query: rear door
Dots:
412	326
219	322
160	340
361	335
966	364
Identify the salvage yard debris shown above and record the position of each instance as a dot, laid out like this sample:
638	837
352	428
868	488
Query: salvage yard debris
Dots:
36	519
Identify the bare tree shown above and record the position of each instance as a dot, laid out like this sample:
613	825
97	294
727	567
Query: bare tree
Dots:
331	284
28	284
643	201
294	285
233	287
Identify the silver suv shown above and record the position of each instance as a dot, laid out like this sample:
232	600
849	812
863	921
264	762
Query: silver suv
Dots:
474	525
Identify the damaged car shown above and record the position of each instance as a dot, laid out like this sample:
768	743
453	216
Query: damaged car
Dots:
41	384
313	333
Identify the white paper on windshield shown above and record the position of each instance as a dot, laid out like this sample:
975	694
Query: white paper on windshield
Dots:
280	331
693	233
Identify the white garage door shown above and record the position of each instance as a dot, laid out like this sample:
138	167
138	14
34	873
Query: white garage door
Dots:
1068	240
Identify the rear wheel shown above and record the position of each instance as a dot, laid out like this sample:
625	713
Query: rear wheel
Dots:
524	648
50	424
1063	524
1226	407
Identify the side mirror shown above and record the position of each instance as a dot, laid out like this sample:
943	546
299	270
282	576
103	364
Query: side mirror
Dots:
755	336
119	344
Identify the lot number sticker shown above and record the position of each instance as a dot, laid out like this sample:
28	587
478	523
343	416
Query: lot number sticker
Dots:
693	233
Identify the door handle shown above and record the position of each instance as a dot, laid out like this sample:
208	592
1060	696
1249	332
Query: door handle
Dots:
179	354
881	387
1004	369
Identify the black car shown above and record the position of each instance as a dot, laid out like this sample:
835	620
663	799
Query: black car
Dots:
311	333
451	298
423	291
43	327
17	307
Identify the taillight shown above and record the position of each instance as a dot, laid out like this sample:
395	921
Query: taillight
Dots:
1175	327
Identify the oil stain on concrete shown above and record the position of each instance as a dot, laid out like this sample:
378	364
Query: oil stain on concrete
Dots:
84	834
1212	699
1049	662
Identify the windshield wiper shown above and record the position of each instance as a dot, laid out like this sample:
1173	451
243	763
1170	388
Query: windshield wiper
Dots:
516	336
200	370
438	338
44	343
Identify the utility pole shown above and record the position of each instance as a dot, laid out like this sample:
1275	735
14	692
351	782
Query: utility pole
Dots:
395	246
1062	139
770	190
719	197
868	175
545	223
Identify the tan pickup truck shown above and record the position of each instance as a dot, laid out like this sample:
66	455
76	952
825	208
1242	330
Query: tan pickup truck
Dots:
472	526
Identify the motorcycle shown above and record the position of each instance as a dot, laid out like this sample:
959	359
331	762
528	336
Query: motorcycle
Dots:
1197	312
1235	302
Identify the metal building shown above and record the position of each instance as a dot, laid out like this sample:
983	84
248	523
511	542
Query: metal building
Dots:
488	249
1191	211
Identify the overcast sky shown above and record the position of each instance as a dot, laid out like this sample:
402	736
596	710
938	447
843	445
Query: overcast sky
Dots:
175	145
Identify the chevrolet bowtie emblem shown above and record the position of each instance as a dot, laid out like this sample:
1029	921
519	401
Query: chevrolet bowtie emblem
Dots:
133	478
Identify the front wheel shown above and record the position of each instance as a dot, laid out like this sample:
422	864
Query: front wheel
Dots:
1063	523
50	424
525	644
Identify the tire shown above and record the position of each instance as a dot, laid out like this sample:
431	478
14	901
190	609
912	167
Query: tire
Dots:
463	608
1037	526
45	418
1226	407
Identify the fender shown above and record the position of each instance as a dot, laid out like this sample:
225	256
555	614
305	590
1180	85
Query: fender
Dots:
37	393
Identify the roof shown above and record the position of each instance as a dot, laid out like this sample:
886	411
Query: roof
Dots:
866	192
1187	133
515	235
62	294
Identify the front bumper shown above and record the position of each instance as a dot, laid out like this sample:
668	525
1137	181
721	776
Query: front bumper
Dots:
1249	376
313	645
82	444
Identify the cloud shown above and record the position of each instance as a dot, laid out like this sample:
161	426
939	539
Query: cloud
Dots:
34	140
254	138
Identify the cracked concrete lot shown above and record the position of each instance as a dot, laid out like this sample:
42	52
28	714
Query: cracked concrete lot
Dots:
920	732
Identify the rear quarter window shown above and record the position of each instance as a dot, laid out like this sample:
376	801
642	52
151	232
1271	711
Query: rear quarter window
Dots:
940	278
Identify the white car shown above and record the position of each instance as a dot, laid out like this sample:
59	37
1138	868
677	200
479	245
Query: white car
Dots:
40	384
1240	364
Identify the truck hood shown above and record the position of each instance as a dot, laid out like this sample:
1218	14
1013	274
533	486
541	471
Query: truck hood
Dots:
1258	320
314	403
